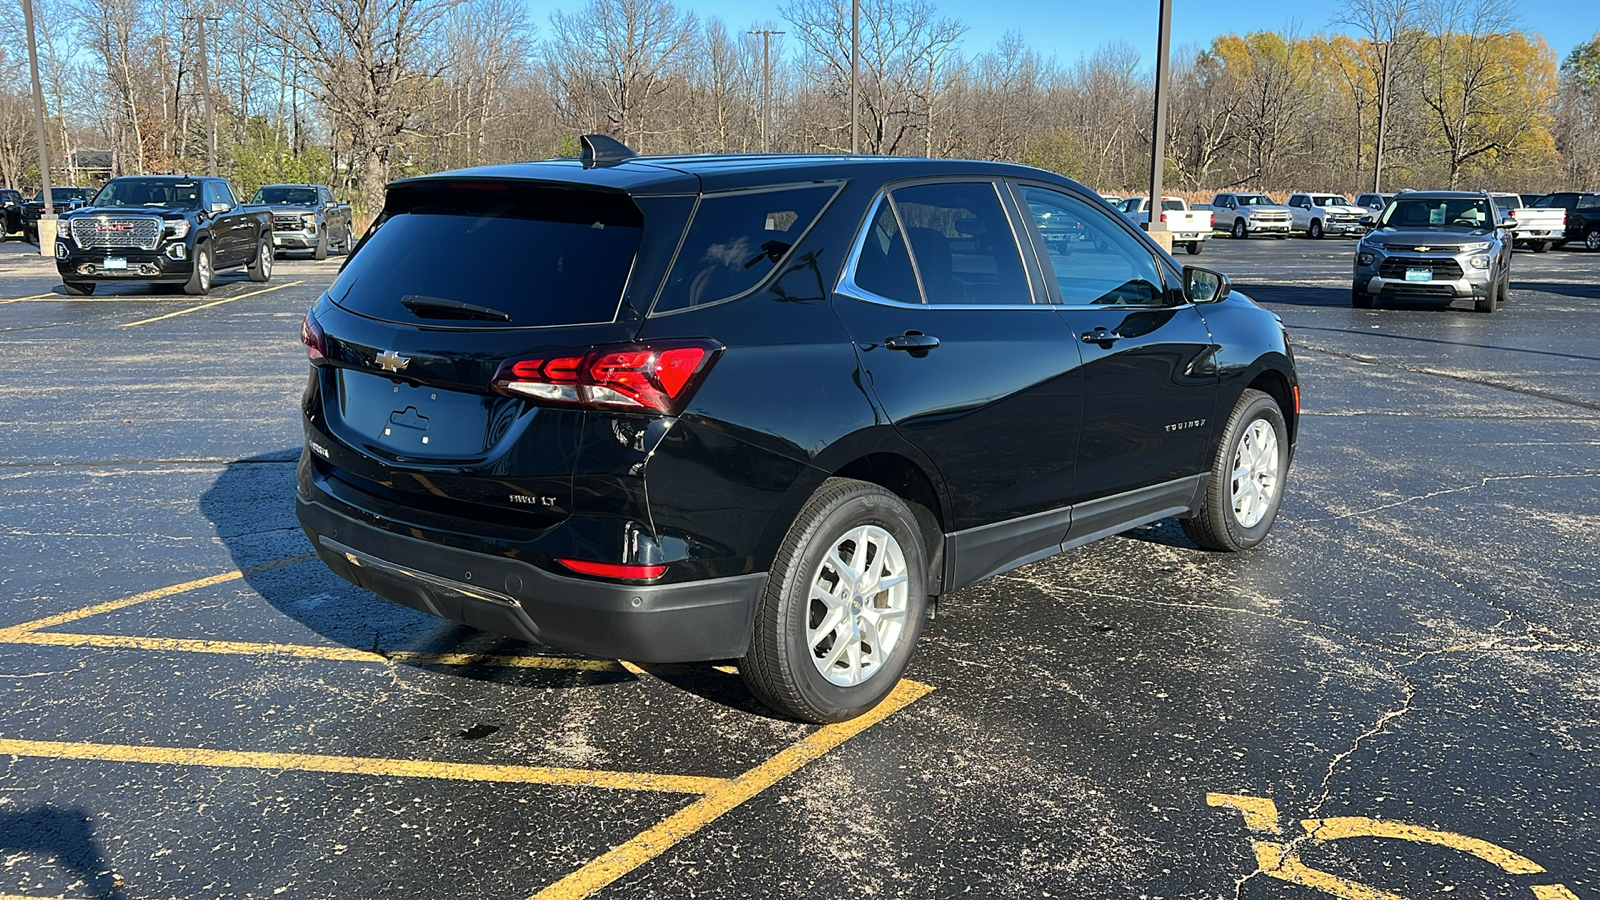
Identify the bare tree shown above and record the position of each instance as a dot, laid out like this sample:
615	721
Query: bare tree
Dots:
616	60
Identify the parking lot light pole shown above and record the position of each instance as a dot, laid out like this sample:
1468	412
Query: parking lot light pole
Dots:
1158	138
47	221
766	86
855	75
1383	114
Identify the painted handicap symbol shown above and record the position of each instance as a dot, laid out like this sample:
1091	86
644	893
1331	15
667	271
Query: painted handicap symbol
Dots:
1280	859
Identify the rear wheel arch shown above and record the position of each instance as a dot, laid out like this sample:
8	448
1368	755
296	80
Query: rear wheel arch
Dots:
906	480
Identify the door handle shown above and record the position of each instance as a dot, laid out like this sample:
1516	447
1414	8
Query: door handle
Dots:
1101	336
913	341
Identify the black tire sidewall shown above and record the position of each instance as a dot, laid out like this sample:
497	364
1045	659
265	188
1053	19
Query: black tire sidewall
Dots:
1239	230
1253	406
870	505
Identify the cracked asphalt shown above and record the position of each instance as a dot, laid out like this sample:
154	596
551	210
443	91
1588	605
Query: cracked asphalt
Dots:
1415	644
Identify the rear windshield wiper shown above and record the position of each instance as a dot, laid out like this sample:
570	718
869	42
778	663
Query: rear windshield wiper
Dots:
439	308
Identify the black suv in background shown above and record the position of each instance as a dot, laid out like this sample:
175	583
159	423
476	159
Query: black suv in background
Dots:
764	407
62	200
10	212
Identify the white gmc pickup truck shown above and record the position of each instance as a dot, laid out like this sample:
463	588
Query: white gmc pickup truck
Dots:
1191	228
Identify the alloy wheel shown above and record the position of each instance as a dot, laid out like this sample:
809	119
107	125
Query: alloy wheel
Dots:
857	610
1255	473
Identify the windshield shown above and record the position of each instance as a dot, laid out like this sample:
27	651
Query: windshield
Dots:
1255	200
286	196
1329	200
1455	212
150	193
63	195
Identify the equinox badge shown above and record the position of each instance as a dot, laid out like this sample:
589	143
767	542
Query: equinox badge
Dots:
391	361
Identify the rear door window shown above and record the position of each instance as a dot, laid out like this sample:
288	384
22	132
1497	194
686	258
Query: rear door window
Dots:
530	255
962	244
736	240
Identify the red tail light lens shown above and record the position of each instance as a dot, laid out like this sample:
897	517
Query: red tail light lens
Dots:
657	376
613	570
311	335
1163	217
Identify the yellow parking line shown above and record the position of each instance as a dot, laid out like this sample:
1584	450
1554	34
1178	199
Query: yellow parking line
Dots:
13	632
652	842
364	765
308	651
19	300
276	287
1324	830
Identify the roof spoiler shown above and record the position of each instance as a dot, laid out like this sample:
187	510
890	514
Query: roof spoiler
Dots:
600	150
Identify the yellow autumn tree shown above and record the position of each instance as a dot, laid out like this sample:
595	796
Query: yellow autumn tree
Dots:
1489	95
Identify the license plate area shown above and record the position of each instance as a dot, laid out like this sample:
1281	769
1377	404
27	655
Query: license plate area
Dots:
1419	274
115	264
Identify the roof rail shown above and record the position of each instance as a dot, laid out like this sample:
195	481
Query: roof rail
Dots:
601	150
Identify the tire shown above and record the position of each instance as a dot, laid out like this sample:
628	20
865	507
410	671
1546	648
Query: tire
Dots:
261	269
1257	440
1239	229
199	283
783	668
321	251
1543	246
1490	300
1194	247
1315	231
1360	299
78	288
1590	240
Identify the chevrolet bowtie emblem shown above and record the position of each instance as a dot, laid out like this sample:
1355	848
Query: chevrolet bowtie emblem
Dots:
391	361
1423	249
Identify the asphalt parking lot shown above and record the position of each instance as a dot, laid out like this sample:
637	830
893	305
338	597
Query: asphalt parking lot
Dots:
1397	696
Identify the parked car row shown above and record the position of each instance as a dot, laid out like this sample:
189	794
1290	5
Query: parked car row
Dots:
1190	228
178	231
1542	221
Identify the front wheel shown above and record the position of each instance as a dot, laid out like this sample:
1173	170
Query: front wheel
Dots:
321	250
78	288
261	269
1238	228
843	605
199	283
1247	474
1315	231
1360	299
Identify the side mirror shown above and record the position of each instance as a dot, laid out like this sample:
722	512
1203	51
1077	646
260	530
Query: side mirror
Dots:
220	207
1204	285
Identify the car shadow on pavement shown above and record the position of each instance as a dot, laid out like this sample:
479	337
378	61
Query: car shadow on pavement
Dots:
1582	290
66	837
251	506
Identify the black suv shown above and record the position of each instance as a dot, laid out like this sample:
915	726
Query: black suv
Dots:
764	407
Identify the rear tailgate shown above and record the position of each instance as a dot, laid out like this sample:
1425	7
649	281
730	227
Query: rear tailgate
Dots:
451	283
1550	221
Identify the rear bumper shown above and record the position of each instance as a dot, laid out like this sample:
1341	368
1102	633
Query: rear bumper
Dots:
686	622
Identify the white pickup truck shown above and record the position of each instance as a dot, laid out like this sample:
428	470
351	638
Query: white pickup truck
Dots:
1539	228
1318	214
1191	228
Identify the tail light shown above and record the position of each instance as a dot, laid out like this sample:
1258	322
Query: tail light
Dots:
1163	217
311	335
657	376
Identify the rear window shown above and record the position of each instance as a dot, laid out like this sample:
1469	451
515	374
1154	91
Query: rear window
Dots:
736	240
530	256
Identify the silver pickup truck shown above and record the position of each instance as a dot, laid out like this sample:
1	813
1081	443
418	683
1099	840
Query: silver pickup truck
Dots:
306	217
1243	215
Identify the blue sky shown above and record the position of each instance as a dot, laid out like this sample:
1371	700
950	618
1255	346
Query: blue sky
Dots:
1068	29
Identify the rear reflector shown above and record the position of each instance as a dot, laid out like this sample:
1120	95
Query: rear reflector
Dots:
613	570
657	376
